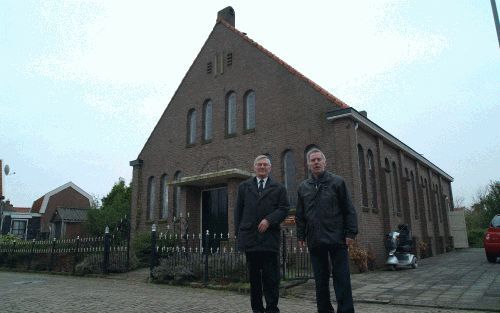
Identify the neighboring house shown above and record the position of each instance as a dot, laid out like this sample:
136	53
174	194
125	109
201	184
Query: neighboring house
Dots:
238	100
67	222
68	195
20	222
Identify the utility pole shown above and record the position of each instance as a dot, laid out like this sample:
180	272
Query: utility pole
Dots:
495	17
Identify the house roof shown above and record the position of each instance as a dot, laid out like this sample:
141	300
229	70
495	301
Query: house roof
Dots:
288	67
20	210
371	126
40	205
74	215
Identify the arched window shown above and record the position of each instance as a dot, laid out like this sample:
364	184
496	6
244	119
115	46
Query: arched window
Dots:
362	175
151	198
177	195
231	113
307	172
164	196
389	187
414	192
396	187
207	120
250	110
427	200
191	138
373	179
289	177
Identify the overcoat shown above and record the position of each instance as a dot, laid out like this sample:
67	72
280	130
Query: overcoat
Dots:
252	208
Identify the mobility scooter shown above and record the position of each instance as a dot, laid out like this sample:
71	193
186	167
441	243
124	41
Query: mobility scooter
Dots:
398	245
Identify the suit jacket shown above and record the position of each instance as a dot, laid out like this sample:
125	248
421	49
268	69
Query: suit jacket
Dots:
252	208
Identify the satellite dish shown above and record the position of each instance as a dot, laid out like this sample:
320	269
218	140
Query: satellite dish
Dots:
6	169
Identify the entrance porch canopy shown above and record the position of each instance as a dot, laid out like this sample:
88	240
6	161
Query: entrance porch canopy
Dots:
212	178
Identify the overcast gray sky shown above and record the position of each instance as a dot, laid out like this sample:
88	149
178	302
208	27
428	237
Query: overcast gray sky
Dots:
83	83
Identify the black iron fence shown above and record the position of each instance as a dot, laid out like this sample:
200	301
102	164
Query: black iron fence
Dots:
108	253
215	257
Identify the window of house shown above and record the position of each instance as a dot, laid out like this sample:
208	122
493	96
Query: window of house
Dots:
427	200
397	195
373	179
250	110
177	195
414	192
19	228
164	196
191	127
207	120
231	113
362	175
151	197
289	179
389	187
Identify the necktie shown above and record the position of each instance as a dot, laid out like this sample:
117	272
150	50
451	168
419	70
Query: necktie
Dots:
261	185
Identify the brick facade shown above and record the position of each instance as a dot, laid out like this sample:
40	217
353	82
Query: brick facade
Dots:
291	115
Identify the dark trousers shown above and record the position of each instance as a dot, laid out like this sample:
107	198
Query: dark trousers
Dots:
264	279
339	266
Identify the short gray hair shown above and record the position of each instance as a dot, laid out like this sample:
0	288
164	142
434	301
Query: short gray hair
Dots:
262	157
314	150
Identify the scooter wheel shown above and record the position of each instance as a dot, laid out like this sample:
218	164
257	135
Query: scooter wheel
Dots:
414	265
392	267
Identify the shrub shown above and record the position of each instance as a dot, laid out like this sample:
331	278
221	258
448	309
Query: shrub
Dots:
475	237
359	256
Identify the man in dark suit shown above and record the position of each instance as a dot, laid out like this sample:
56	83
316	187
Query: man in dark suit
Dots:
261	206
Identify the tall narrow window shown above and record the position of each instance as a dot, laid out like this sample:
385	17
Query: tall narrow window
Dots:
427	200
151	197
396	188
373	179
207	120
389	187
231	113
177	195
250	110
414	192
289	177
362	175
191	138
164	196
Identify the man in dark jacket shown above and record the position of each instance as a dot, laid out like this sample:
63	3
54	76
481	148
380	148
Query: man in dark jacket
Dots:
261	206
326	220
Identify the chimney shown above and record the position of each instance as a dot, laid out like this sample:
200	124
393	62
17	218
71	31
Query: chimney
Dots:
226	14
364	113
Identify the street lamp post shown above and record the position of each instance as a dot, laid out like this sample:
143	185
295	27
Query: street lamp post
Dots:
1	213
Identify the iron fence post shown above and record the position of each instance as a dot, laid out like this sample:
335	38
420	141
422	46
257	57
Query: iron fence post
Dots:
153	259
76	253
205	259
283	254
105	263
32	253
52	252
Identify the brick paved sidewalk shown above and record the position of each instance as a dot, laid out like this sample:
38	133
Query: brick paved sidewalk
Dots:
42	293
459	280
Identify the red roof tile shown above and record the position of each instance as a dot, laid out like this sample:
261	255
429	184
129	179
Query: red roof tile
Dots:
37	204
20	210
293	71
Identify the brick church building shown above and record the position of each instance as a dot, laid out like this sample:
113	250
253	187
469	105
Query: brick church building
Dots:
238	100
